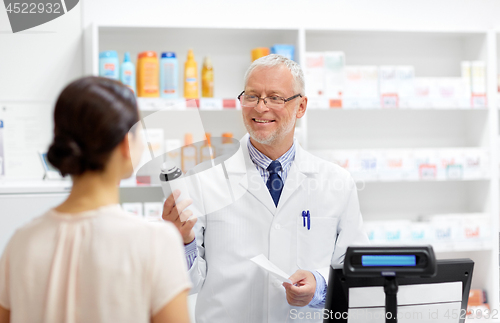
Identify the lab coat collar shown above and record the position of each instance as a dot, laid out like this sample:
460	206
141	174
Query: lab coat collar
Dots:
304	165
304	161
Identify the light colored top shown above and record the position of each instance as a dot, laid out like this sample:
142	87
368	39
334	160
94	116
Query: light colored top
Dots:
103	265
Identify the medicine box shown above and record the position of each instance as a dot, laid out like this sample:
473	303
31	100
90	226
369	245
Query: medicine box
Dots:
133	208
334	65
314	74
478	77
153	211
395	164
388	85
405	84
361	88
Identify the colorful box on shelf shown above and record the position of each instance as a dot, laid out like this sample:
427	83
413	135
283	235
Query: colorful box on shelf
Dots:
372	87
411	164
461	231
134	208
388	232
449	232
324	103
153	211
395	164
478	76
361	88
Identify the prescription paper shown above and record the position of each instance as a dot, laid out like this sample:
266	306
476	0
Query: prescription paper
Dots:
274	271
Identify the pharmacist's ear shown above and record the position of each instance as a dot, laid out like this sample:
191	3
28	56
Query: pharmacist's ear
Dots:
302	107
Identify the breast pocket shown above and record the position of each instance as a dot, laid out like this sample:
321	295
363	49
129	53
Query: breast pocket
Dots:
315	246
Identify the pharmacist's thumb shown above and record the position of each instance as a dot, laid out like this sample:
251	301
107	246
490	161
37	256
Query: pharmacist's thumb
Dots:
189	224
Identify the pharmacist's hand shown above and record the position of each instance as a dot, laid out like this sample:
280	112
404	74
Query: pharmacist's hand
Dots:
301	291
174	212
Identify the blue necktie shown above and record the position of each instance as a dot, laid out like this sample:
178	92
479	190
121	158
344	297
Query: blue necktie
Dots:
274	183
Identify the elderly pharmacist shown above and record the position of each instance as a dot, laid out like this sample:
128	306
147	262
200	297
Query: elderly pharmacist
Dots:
285	180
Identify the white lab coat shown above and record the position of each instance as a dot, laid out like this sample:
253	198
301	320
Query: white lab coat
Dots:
231	287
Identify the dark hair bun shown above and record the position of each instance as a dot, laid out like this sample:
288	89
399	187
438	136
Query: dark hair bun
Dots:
65	155
92	116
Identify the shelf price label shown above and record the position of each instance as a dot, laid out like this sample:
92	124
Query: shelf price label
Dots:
172	104
318	103
156	104
210	104
230	103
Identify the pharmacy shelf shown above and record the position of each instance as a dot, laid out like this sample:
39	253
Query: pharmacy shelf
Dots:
176	123
203	104
229	48
393	129
10	186
413	201
475	246
433	54
394	181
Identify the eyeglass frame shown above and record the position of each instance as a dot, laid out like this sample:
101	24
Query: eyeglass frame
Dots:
267	97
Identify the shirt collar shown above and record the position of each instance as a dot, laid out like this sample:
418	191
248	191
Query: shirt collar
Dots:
263	161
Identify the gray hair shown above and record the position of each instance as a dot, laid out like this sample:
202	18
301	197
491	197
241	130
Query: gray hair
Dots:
277	60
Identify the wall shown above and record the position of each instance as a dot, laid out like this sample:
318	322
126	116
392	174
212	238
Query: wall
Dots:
354	14
34	67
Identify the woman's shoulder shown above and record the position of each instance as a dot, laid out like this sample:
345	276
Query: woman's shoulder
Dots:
138	224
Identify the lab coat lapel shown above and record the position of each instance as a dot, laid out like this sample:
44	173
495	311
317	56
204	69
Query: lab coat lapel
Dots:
243	171
302	166
292	183
258	189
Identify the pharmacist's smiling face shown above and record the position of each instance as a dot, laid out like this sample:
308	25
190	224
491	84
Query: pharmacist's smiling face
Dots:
271	126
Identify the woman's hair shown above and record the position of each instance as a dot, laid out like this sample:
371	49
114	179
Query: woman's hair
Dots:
92	116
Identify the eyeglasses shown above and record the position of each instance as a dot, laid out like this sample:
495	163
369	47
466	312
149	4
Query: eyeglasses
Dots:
273	102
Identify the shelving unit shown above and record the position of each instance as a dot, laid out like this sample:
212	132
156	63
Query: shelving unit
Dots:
433	53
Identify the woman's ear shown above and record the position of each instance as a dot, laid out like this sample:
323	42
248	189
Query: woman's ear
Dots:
124	146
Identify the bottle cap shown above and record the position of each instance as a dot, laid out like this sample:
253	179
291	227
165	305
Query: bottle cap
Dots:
168	55
169	171
126	57
190	54
108	54
148	53
207	61
259	52
226	137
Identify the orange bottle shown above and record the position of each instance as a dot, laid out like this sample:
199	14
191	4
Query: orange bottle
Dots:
189	155
259	52
191	77
207	79
148	75
227	147
207	152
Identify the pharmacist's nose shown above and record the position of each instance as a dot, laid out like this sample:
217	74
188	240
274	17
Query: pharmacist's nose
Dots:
261	107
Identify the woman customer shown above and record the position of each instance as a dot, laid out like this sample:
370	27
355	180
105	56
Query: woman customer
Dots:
87	260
